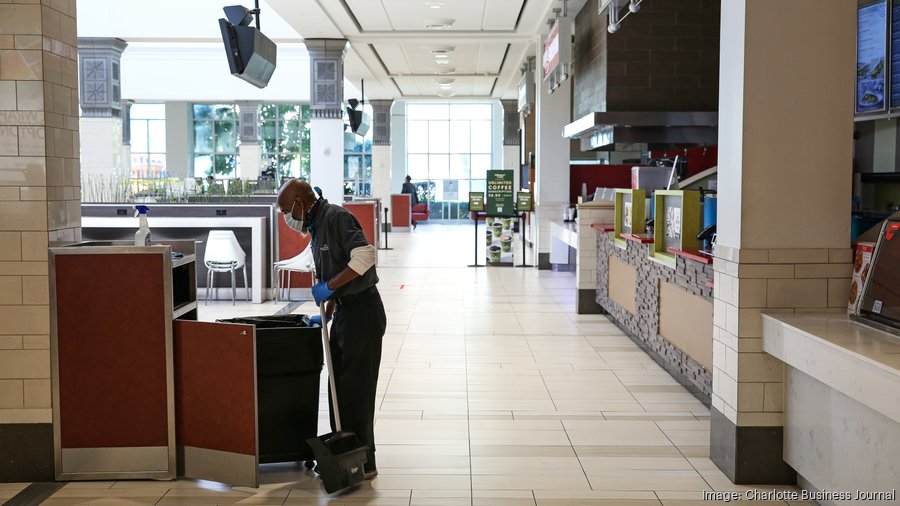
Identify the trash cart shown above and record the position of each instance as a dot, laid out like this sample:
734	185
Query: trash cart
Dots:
288	368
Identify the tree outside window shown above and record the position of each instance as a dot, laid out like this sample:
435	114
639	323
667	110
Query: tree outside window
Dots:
215	140
284	136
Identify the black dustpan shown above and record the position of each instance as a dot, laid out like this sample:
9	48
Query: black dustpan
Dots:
339	455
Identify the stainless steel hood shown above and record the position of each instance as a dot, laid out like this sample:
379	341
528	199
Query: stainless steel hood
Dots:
602	130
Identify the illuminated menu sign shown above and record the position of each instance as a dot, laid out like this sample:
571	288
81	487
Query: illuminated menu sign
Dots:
871	48
551	51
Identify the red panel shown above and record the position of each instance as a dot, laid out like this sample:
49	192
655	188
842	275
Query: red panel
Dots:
111	321
698	159
400	210
215	394
602	176
290	244
365	213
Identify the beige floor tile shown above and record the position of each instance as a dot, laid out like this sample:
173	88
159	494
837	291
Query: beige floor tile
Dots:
629	479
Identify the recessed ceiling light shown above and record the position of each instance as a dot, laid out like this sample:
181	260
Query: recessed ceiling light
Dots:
434	5
442	62
446	71
446	94
439	24
444	80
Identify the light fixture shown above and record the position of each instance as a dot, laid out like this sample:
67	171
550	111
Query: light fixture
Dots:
446	71
444	80
614	20
442	62
442	51
445	94
439	24
441	56
434	5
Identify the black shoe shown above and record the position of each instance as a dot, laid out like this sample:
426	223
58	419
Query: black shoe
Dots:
414	224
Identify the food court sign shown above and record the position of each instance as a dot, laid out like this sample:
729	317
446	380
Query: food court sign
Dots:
500	193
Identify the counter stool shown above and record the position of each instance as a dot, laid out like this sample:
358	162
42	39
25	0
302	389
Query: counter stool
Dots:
224	254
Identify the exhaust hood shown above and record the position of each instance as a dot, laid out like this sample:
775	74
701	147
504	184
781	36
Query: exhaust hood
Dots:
600	131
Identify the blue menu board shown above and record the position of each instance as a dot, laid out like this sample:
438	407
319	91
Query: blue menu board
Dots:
871	46
895	54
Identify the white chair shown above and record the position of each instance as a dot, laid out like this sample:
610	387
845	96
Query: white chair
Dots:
224	254
300	263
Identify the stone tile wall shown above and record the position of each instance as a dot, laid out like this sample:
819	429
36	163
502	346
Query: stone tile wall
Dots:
40	195
747	283
643	326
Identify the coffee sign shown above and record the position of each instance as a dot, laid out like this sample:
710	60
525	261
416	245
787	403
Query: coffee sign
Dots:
500	193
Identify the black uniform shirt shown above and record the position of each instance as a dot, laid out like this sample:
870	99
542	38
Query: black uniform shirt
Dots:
335	233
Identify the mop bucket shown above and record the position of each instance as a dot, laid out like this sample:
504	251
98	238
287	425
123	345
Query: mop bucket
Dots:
339	459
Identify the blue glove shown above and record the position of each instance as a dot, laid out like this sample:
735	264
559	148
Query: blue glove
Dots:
320	292
316	320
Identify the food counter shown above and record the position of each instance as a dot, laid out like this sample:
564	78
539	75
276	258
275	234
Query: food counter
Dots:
663	302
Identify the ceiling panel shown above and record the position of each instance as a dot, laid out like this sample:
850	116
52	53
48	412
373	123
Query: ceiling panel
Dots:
370	14
501	14
490	57
394	58
415	14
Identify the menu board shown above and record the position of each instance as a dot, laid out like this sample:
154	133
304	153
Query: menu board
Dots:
476	201
523	202
895	54
871	49
500	193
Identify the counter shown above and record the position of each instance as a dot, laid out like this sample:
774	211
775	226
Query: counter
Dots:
841	400
667	308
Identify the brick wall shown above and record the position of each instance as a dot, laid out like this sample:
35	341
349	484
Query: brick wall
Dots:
663	58
643	326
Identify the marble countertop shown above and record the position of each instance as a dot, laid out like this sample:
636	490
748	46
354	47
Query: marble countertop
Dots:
859	361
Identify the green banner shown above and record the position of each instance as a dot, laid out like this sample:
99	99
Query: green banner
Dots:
500	193
476	201
523	202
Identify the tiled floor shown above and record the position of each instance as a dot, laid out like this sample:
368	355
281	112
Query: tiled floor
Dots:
492	392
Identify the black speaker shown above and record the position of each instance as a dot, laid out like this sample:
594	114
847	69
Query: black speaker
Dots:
251	55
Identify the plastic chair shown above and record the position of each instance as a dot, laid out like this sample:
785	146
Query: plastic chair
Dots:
224	254
300	263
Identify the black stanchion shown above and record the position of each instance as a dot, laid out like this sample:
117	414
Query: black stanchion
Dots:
475	215
384	224
522	233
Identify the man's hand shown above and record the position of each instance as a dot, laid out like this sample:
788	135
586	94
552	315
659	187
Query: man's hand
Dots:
320	292
316	320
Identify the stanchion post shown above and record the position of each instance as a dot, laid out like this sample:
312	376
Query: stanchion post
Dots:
384	224
522	233
475	216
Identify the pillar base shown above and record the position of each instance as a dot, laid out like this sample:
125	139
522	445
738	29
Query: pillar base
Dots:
27	450
586	302
748	455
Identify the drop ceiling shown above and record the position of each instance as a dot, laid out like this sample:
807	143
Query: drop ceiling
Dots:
428	48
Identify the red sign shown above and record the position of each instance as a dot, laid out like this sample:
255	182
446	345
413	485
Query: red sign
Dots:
551	50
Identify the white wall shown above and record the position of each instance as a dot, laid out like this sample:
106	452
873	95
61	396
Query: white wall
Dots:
179	139
173	20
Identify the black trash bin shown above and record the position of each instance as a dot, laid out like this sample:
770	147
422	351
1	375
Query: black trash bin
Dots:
288	368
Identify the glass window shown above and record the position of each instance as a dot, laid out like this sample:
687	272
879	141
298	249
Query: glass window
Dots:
449	153
216	140
284	139
358	161
148	140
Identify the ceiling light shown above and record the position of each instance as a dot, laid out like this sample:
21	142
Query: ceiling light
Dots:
434	5
439	24
444	80
446	71
446	94
442	51
442	62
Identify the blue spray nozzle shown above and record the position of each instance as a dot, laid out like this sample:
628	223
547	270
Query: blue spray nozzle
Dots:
142	209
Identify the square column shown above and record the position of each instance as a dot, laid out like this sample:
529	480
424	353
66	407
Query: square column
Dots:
785	149
326	150
40	205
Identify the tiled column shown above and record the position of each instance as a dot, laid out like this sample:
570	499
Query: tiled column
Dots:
250	151
785	165
101	123
40	207
381	151
326	150
551	193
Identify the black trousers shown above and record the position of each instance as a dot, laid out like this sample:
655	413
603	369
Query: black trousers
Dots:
356	334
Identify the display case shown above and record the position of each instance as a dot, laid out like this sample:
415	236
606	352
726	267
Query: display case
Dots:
630	214
676	224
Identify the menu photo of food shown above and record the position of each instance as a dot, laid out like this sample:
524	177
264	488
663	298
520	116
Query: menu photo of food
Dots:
861	261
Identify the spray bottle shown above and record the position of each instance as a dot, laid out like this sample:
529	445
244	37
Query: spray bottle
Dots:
142	236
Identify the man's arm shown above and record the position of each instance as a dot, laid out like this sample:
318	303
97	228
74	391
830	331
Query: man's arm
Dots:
361	260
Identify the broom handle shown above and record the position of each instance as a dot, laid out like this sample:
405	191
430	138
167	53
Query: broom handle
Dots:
326	343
